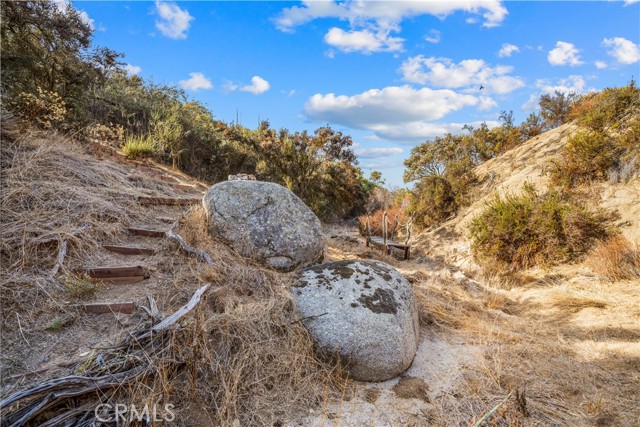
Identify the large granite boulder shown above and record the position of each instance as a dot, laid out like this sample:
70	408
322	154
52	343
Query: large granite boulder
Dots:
362	311
266	222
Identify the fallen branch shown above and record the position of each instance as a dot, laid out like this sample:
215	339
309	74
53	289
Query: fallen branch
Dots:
188	249
62	253
491	412
171	320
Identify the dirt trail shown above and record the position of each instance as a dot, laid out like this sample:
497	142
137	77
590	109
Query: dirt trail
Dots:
566	342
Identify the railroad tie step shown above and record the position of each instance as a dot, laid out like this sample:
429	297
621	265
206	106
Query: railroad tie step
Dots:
146	232
116	275
129	250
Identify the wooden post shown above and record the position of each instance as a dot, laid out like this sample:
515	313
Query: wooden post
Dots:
384	232
368	238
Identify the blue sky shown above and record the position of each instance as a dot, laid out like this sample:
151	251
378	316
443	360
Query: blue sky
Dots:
391	74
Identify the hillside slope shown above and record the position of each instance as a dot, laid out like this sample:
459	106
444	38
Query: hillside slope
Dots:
529	163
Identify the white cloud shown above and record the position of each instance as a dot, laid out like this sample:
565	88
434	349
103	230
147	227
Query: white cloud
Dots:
173	21
132	70
600	65
399	113
420	131
376	153
564	54
393	104
623	50
507	50
196	81
371	24
230	86
442	72
433	36
258	86
364	41
386	14
630	2
84	16
383	165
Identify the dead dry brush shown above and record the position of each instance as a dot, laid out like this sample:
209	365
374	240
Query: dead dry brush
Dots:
524	346
240	356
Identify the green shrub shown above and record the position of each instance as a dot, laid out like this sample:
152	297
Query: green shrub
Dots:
535	229
607	109
588	155
609	144
434	201
138	147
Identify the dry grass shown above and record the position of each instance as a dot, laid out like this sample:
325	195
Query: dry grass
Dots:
241	357
52	194
525	344
615	259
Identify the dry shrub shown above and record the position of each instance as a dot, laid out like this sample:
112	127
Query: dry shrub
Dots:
375	221
43	108
254	361
530	229
615	259
513	343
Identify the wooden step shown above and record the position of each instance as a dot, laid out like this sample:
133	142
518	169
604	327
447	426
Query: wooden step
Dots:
105	308
129	250
168	178
169	201
116	275
145	232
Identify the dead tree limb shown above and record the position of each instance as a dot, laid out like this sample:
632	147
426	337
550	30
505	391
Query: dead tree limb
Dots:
188	249
62	252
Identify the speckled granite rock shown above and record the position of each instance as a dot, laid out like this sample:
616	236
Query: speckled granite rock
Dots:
266	222
364	311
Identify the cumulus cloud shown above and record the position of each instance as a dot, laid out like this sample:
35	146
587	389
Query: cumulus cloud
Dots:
196	81
393	104
623	50
399	113
258	86
385	14
371	25
564	54
600	65
630	2
173	21
420	131
507	50
376	153
433	36
442	72
132	70
383	165
364	41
